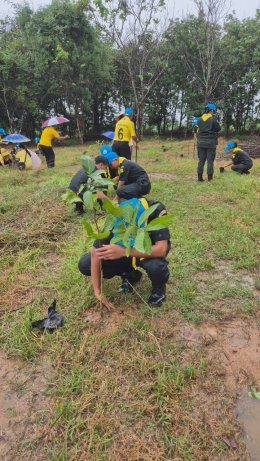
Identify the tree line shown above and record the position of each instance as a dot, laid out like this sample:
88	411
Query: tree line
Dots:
87	59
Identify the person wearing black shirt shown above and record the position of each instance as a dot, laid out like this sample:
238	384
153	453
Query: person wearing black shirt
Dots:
110	260
133	181
241	161
81	177
208	127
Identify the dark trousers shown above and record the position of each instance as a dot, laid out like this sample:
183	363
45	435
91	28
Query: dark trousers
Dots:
156	268
122	149
48	152
241	168
78	179
135	190
206	154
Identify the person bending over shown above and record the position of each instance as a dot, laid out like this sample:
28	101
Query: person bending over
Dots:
45	144
81	177
133	181
109	260
241	161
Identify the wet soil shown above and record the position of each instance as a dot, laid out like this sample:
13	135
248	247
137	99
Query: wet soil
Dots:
248	412
24	406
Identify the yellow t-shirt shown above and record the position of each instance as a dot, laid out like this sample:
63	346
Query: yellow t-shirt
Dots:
48	135
4	156
124	130
23	158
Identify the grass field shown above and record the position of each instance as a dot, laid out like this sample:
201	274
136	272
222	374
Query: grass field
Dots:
136	384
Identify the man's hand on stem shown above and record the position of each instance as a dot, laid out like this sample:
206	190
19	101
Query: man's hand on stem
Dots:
111	251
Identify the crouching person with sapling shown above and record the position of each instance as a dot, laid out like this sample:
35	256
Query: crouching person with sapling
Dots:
139	238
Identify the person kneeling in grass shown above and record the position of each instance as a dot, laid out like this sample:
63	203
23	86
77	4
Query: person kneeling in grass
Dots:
109	260
241	161
133	181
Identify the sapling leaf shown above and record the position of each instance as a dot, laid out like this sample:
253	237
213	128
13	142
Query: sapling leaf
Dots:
97	173
117	238
127	212
71	197
92	234
88	227
88	200
139	241
127	249
87	163
145	215
109	223
110	208
160	223
147	244
101	235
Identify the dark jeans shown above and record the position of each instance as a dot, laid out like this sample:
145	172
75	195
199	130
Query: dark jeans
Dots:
206	154
48	152
78	179
156	268
122	149
135	190
241	168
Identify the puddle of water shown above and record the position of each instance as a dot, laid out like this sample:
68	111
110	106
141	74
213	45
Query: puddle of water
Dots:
248	412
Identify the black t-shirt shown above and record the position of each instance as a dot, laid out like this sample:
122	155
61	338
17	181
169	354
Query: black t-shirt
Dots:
162	234
130	172
156	236
239	156
207	133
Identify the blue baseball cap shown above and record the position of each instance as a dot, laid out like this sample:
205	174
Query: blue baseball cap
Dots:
230	145
37	139
111	156
104	150
2	131
129	111
211	106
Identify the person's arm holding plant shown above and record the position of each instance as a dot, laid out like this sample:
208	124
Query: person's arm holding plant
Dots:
96	276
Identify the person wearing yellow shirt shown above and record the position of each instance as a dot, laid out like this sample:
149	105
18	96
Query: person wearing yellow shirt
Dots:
5	157
124	133
23	159
48	135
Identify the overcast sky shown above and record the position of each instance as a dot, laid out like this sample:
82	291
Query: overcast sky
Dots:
176	8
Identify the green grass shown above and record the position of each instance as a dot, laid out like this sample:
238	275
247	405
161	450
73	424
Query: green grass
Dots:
128	387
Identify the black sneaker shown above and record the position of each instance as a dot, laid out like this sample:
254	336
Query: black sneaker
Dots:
210	177
200	179
157	296
79	208
128	281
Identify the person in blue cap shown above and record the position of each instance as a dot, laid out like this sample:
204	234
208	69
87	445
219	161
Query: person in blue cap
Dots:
109	260
124	133
208	128
241	161
133	181
2	133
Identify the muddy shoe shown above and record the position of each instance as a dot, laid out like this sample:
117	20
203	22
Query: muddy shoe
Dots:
157	296
128	281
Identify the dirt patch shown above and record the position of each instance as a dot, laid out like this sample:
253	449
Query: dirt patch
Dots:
109	322
232	345
24	406
163	176
248	412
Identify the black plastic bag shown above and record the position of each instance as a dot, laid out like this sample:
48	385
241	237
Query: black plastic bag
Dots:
50	323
